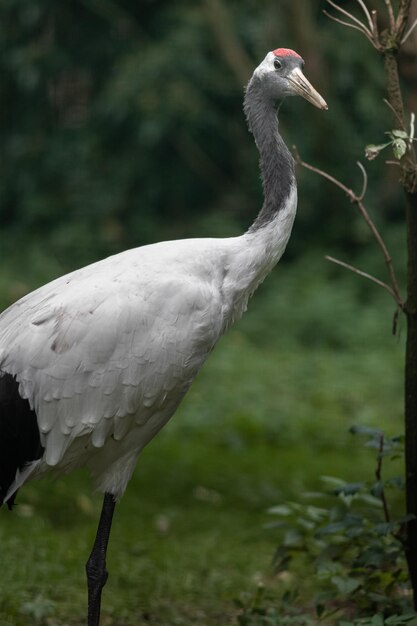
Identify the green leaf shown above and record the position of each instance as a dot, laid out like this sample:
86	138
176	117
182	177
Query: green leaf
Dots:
349	489
332	481
370	558
345	585
384	528
399	147
280	509
399	620
396	481
372	151
377	489
330	529
315	513
400	134
398	439
366	498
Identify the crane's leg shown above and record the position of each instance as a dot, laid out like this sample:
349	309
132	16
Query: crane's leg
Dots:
96	565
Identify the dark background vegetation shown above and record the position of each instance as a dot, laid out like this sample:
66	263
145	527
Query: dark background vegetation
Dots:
121	124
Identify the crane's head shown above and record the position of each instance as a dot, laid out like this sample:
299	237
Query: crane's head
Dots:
281	73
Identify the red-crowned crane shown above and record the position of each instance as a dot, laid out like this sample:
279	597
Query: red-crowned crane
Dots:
94	363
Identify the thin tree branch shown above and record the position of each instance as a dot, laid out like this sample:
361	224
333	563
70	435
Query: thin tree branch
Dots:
356	270
391	16
402	19
395	321
388	103
371	33
394	289
365	180
339	21
375	30
351	17
333	180
378	476
408	33
367	15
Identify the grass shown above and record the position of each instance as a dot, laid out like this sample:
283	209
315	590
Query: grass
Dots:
268	415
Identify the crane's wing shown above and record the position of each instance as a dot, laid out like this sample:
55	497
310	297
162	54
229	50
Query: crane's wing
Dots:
102	348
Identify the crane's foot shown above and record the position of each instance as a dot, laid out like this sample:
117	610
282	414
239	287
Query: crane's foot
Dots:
97	573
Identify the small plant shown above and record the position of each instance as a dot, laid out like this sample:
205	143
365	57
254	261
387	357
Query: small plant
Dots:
345	543
255	611
379	620
399	140
350	539
38	609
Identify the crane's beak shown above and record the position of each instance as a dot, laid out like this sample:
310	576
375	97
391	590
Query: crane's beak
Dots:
302	87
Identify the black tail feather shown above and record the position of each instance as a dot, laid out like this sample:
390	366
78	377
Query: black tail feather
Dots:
19	435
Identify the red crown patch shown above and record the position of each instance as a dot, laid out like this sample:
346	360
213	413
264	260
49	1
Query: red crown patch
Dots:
285	52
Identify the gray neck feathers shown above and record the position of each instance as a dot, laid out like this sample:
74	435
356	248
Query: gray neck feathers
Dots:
276	162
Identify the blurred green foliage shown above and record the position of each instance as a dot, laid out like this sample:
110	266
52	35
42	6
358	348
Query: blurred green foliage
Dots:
121	123
342	544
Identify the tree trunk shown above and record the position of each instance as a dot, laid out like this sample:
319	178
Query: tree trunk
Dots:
411	392
409	183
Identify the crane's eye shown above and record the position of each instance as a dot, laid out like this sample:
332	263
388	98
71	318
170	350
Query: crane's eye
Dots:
277	64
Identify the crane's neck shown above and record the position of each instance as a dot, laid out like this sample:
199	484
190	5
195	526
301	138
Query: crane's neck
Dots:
276	162
260	248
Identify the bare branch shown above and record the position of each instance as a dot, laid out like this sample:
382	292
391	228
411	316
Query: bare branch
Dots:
402	18
378	476
371	35
394	289
388	103
375	29
408	33
390	15
367	15
365	180
351	17
356	270
350	194
339	21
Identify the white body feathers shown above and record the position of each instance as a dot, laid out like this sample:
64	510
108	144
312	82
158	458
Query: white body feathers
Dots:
104	355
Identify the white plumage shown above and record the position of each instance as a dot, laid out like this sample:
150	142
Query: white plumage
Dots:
105	354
